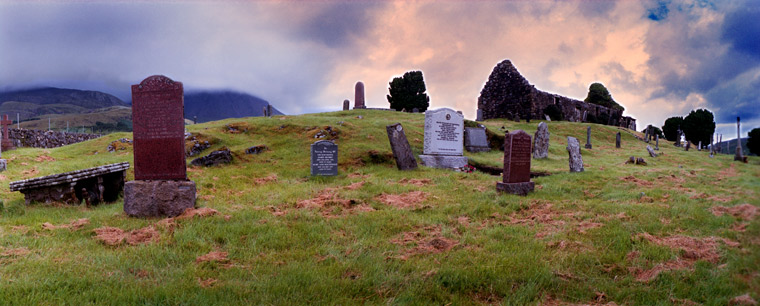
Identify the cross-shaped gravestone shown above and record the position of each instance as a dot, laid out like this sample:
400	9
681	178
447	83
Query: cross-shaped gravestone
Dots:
6	142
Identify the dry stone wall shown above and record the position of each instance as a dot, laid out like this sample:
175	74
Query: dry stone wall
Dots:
46	139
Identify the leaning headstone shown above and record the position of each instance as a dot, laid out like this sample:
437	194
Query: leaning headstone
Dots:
444	129
324	158
657	142
359	96
475	139
516	175
479	115
346	104
651	151
541	141
160	187
574	151
617	140
402	152
588	137
6	143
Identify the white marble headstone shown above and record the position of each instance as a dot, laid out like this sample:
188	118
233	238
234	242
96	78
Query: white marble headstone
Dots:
444	132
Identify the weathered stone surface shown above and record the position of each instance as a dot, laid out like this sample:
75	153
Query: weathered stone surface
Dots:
617	140
346	104
46	139
508	92
588	137
402	152
159	130
574	151
359	96
739	155
218	157
631	160
541	141
3	165
640	161
256	149
475	139
158	198
269	110
516	188
444	130
516	175
657	142
651	151
95	185
443	161
688	145
324	158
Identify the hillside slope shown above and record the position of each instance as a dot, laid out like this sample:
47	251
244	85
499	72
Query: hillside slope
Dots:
622	233
218	105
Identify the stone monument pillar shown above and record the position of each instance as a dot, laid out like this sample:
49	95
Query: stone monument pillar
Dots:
161	187
444	139
269	110
346	104
359	96
617	140
588	138
3	162
541	141
516	175
657	142
739	154
574	152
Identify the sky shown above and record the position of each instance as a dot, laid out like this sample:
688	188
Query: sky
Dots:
657	58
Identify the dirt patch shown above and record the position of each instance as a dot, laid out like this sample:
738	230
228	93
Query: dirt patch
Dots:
206	283
743	211
410	199
427	240
727	172
638	182
15	252
114	236
44	158
415	182
74	225
214	256
742	300
358	175
355	186
264	180
330	204
199	212
30	172
552	220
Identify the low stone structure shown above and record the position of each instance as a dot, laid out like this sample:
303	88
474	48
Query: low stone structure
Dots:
46	139
221	156
541	141
93	185
507	94
574	152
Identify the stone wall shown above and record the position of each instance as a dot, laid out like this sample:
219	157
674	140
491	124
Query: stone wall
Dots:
46	139
507	94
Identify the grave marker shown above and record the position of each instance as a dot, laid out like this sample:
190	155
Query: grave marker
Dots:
402	152
588	137
359	96
516	175
443	139
6	143
574	152
739	154
324	158
475	139
541	141
617	140
346	104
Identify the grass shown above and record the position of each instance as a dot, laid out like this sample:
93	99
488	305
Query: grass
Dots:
281	252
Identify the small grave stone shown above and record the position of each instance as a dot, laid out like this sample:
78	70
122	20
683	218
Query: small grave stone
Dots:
688	146
574	151
346	104
359	96
617	140
269	110
588	138
324	158
651	151
479	115
160	187
641	161
657	142
6	143
444	129
415	110
256	149
646	135
631	160
548	118
585	115
263	111
699	146
402	152
541	141
218	157
516	175
475	140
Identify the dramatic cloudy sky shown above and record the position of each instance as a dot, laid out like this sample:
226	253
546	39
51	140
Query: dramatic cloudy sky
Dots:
657	58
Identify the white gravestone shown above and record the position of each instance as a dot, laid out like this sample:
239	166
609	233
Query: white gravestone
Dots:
444	139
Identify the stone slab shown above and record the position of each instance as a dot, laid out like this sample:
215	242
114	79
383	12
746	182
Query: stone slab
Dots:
541	141
475	139
517	155
443	161
158	198
159	130
516	188
324	158
67	177
651	151
402	152
574	151
444	129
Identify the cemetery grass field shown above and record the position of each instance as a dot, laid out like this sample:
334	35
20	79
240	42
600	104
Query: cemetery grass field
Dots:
616	233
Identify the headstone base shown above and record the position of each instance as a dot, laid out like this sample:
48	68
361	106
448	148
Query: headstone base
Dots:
515	188
443	161
588	146
3	165
475	149
158	198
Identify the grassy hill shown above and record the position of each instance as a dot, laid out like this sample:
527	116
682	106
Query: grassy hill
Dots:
628	234
83	121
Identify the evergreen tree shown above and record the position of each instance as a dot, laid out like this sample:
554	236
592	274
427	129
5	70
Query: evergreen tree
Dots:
698	126
753	144
408	92
670	128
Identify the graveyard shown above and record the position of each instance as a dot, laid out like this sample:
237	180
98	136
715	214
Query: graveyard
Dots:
684	228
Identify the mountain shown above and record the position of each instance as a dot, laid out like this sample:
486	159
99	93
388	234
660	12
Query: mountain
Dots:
217	105
50	95
732	147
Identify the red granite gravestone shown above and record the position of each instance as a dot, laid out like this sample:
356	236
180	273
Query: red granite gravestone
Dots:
6	143
159	130
516	177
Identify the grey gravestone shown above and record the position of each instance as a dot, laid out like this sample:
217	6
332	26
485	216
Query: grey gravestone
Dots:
475	140
479	116
516	175
269	110
646	135
651	151
574	151
699	146
402	152
585	114
346	104
541	141
263	111
324	158
739	155
657	142
548	118
617	140
444	129
588	137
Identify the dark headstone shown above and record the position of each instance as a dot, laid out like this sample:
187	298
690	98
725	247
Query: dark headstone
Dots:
631	160
221	156
158	128
657	142
346	104
617	140
256	149
269	110
359	96
479	115
324	158
516	175
588	137
688	145
574	152
541	141
646	134
402	152
475	139
641	161
263	111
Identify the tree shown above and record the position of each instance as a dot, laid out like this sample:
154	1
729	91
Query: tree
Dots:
598	94
408	92
670	128
753	144
698	126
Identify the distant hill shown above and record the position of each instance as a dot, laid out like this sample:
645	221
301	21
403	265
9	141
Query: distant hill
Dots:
218	105
732	146
101	120
38	102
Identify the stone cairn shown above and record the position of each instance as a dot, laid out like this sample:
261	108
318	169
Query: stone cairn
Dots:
93	185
